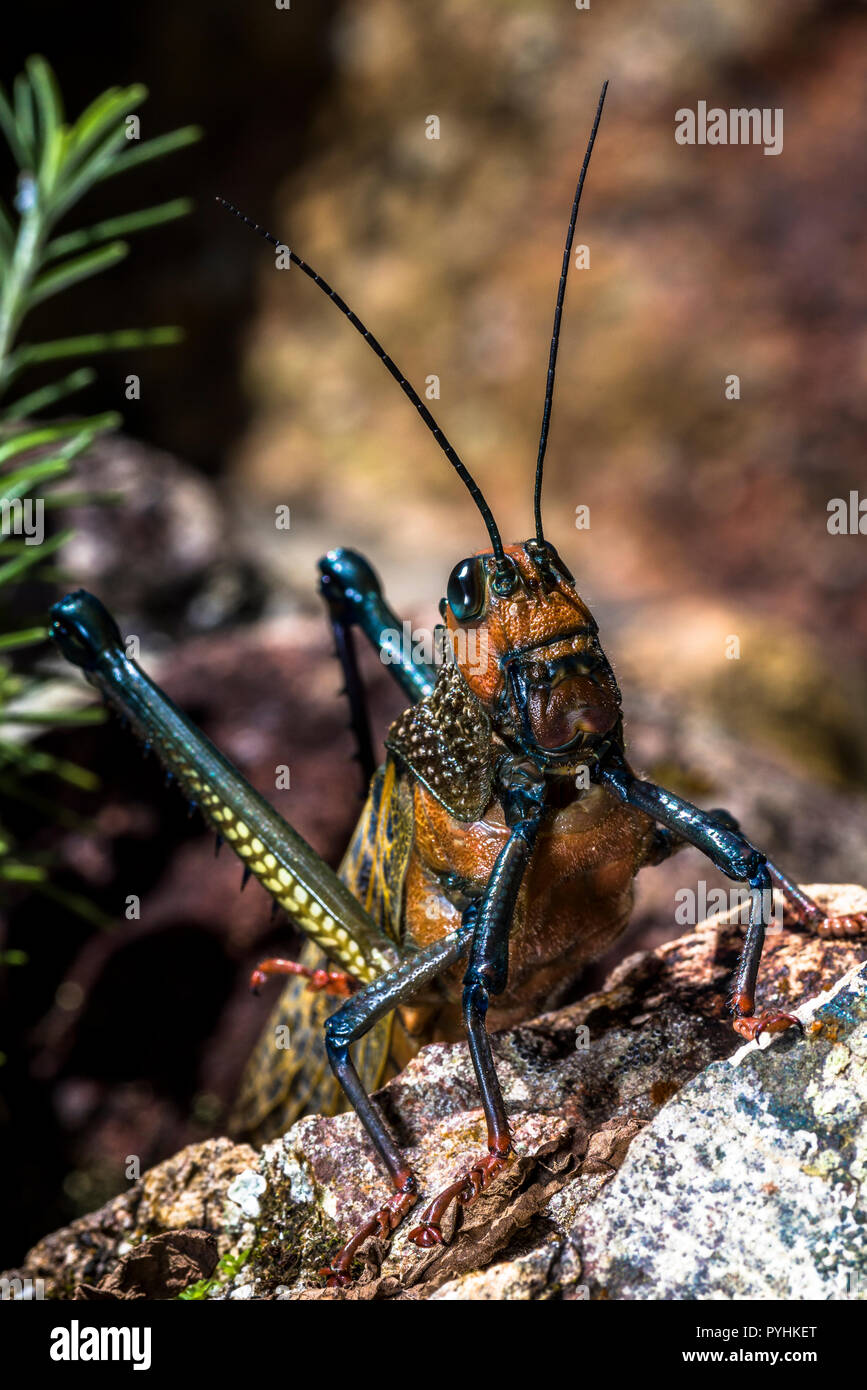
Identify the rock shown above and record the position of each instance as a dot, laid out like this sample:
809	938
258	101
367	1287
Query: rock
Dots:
160	1268
751	1183
650	1149
246	1190
189	1191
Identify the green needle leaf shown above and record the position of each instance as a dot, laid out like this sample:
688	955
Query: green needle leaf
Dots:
13	957
35	401
90	343
21	873
7	234
34	760
78	182
71	430
48	98
90	714
27	637
117	226
23	157
80	268
77	904
31	555
154	149
57	164
25	118
104	114
20	482
56	501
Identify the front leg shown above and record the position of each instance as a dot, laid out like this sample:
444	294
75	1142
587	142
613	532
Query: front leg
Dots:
803	909
353	592
344	1028
731	852
522	796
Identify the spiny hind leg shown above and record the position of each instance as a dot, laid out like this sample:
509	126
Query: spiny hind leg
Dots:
270	849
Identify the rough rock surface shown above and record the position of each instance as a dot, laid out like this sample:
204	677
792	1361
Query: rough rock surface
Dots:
162	1267
752	1183
638	1078
188	1192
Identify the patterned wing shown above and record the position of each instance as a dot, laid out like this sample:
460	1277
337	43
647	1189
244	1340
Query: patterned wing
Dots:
374	866
283	1082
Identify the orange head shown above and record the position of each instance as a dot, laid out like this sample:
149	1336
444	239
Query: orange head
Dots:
528	649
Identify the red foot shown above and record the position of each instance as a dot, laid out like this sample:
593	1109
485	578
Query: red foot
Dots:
856	925
331	981
811	917
381	1224
429	1231
750	1028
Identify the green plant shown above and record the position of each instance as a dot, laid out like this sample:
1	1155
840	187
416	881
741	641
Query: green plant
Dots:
58	164
226	1269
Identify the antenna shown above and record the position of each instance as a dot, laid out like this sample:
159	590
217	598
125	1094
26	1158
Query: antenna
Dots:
449	451
558	314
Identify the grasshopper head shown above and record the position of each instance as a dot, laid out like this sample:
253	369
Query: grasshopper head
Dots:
528	649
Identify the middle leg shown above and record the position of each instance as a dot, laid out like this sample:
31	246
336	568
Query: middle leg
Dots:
354	598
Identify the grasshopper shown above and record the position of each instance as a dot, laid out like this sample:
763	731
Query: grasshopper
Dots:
497	848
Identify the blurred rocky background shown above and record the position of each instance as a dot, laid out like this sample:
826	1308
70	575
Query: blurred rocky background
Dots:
708	516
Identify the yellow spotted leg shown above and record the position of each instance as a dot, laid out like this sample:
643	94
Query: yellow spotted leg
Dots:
283	862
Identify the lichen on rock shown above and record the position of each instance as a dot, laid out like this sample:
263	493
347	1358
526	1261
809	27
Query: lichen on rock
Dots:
751	1184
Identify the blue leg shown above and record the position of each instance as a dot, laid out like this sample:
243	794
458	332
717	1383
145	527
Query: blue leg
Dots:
805	911
522	794
486	923
353	593
667	842
345	1027
717	836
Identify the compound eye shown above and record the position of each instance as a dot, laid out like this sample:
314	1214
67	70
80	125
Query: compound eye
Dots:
466	589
